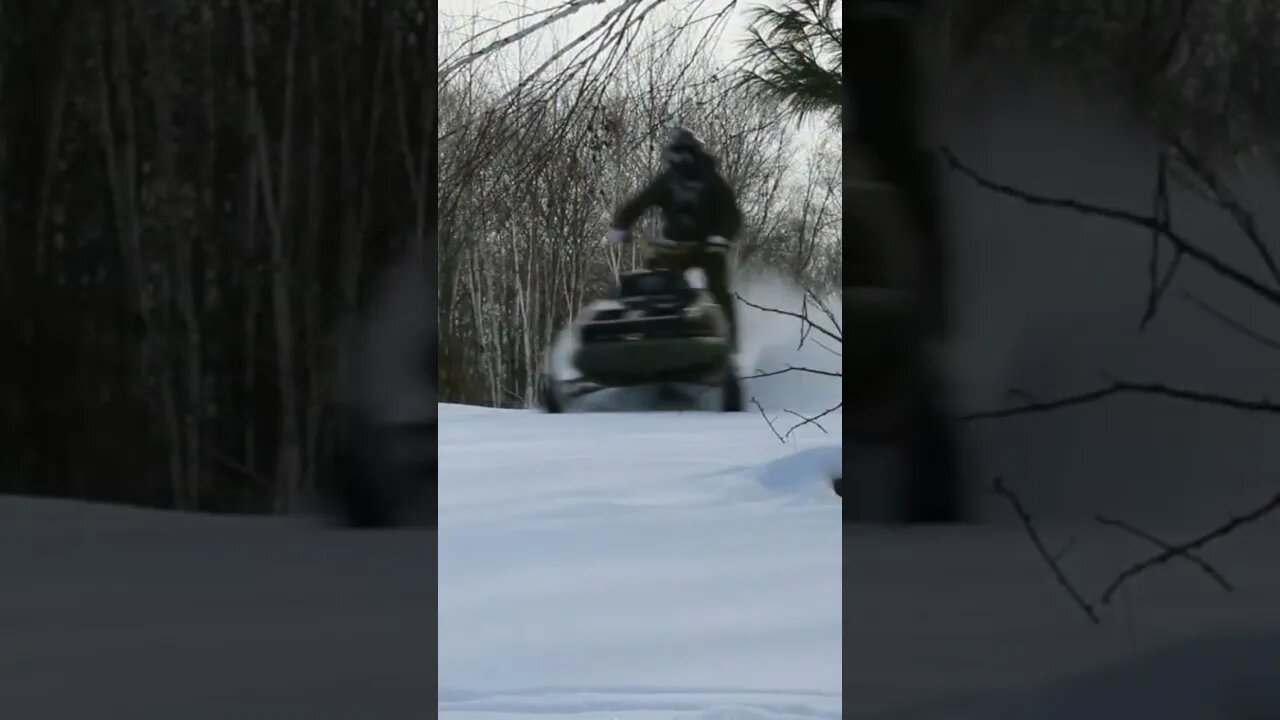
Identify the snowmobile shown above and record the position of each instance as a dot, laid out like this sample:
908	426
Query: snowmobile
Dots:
658	332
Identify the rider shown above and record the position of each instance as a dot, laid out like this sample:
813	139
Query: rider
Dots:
700	217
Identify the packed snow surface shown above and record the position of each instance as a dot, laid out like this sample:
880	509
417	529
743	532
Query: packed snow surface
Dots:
637	565
127	614
690	567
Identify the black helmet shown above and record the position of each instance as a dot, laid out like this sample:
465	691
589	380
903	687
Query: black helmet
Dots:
684	152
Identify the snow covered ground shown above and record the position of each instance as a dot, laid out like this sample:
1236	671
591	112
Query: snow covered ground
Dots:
969	624
625	565
689	567
127	614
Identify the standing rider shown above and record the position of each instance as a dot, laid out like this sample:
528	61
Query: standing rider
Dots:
700	217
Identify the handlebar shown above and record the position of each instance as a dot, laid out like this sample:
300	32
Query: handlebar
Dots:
678	248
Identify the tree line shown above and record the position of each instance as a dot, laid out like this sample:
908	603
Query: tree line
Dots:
193	196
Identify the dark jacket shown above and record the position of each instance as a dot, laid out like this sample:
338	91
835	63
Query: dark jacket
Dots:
692	209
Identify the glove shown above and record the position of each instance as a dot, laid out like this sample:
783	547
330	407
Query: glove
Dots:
615	236
716	243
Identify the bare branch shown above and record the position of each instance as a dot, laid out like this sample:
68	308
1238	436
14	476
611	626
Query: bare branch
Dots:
1123	387
807	420
1066	548
1224	198
1233	324
832	351
793	368
1191	557
769	422
826	310
814	419
1179	242
1002	490
1163	222
791	314
806	325
1183	549
804	420
603	29
569	8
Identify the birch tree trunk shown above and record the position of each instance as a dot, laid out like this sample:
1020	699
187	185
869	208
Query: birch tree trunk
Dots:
176	219
276	196
120	148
